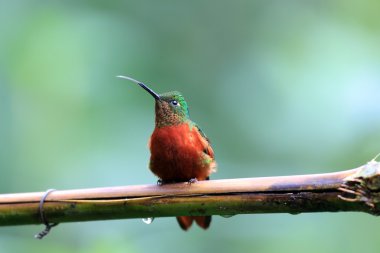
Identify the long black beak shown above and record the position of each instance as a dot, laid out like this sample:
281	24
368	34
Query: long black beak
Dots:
151	92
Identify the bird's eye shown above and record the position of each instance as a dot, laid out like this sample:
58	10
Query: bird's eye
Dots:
174	102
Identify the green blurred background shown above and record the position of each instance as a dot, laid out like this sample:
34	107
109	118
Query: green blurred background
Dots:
280	87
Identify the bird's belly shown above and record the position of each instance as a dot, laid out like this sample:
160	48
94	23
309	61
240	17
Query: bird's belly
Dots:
176	154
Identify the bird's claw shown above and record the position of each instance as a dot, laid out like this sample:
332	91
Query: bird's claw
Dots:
192	181
162	182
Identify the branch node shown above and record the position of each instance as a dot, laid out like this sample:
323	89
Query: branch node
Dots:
363	186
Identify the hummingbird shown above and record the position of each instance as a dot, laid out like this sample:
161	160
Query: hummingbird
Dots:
180	150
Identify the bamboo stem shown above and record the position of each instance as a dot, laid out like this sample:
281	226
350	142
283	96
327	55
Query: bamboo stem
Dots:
330	192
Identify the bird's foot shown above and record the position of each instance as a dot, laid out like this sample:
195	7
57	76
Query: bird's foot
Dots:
192	180
162	182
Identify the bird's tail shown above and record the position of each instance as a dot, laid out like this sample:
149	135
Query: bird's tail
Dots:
186	221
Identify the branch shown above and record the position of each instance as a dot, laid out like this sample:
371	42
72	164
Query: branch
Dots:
351	190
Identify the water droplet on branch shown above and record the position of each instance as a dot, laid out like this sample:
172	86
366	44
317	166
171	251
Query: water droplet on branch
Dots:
148	220
227	215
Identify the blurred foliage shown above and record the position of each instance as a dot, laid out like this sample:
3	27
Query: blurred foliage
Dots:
280	87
